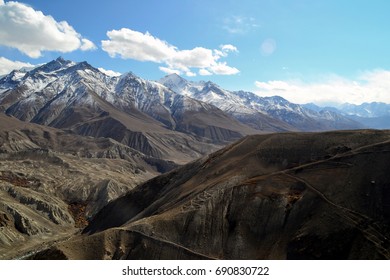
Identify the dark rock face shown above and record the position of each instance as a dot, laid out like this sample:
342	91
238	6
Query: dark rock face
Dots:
278	196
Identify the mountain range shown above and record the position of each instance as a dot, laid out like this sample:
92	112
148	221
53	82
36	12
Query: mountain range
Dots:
262	113
374	115
82	153
79	97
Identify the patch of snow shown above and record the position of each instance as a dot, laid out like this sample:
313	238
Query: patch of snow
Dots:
110	73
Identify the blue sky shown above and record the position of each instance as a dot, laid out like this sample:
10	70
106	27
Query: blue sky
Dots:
306	51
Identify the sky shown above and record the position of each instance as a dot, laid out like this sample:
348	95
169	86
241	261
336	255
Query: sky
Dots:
326	52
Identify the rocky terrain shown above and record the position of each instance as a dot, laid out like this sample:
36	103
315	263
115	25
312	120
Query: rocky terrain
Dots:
277	196
53	181
100	167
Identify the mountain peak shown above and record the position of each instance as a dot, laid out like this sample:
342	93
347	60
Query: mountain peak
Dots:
84	65
54	65
174	82
173	79
60	59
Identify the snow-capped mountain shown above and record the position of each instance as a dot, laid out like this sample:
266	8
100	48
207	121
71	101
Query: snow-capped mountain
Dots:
366	110
143	114
259	112
147	115
207	92
371	115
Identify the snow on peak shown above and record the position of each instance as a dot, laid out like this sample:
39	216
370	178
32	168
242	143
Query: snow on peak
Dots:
109	73
53	66
174	81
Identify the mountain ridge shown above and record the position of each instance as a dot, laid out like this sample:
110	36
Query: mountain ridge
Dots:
374	115
76	96
275	196
260	112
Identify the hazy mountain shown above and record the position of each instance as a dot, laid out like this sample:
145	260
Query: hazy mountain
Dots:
366	110
370	115
264	113
276	196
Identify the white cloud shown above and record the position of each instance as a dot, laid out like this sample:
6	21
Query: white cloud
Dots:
87	45
229	48
198	57
32	32
369	87
190	74
239	24
268	47
169	71
275	86
6	65
224	50
173	71
204	72
130	44
109	72
223	69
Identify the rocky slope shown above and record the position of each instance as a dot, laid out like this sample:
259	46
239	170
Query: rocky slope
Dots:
277	196
52	181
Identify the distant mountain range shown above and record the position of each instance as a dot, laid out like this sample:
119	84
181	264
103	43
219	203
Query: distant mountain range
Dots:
262	113
370	115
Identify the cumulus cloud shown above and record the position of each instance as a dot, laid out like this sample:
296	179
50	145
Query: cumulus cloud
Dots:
223	69
130	44
204	72
6	65
109	72
32	32
168	70
368	87
190	74
87	45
